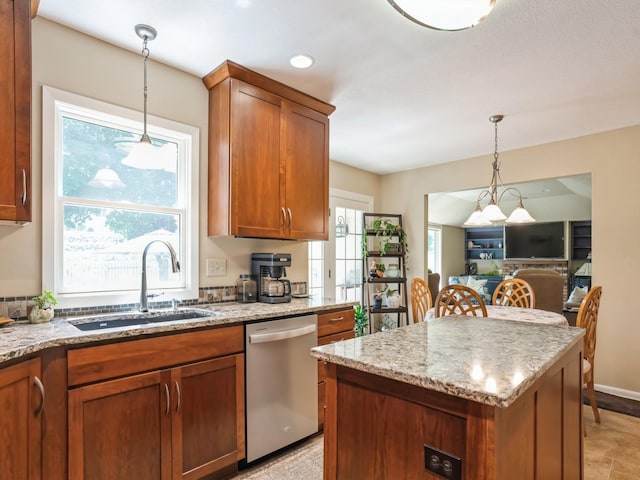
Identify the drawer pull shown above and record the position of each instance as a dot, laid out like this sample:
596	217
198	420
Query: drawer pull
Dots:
337	319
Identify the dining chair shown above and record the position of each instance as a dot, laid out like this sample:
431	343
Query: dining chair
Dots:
587	318
514	292
457	299
421	299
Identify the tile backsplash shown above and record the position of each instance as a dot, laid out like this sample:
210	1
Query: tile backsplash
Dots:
18	307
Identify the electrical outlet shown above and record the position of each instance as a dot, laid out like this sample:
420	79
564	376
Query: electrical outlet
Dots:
444	465
216	267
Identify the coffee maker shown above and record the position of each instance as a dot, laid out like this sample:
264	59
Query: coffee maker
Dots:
268	270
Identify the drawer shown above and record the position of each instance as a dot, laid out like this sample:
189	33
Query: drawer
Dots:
337	337
334	322
91	364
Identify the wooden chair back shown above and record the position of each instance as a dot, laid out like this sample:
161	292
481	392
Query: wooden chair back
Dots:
587	318
421	299
458	299
514	292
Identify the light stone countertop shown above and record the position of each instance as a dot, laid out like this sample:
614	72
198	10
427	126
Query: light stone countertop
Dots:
22	338
486	360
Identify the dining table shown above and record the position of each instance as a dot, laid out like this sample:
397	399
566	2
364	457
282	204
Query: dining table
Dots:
519	314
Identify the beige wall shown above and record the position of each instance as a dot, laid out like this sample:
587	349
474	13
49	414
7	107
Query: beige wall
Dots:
613	158
68	60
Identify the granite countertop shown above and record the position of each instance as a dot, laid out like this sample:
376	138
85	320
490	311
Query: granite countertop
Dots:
22	338
486	360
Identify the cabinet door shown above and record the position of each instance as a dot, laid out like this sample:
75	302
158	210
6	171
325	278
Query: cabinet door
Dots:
15	110
121	429
306	167
257	203
20	421
208	416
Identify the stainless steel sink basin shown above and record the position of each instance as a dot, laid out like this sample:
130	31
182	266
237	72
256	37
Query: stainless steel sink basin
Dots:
142	318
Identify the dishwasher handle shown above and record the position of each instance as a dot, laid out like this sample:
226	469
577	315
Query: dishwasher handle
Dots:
282	334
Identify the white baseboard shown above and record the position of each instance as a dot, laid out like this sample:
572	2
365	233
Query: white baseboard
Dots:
618	392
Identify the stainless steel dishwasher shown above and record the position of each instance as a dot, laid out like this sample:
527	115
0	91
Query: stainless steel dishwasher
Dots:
281	383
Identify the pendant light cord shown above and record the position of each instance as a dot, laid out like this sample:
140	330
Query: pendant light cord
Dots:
145	55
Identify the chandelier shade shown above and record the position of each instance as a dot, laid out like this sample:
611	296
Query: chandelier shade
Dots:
451	15
492	213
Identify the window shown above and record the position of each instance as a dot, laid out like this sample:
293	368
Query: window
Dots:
103	207
434	250
335	267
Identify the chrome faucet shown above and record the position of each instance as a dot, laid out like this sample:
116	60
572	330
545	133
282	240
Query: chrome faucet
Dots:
175	267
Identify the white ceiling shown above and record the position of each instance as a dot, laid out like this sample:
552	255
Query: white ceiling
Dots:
406	96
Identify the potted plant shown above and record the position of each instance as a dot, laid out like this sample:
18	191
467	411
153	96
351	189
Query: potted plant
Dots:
42	310
361	320
392	236
393	298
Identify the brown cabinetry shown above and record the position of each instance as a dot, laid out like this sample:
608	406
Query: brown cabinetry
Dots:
182	421
332	327
268	158
21	400
15	110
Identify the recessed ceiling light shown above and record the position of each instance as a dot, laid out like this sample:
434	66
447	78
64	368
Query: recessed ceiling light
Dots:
301	61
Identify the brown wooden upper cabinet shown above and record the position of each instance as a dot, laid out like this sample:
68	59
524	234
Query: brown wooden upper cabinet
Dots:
268	158
15	109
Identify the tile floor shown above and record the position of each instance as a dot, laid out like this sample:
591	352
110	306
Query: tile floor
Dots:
611	452
611	449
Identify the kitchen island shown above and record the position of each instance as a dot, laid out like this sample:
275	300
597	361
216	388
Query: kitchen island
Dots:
457	397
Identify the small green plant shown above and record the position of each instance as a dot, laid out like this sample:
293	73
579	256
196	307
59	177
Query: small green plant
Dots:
495	270
361	320
45	300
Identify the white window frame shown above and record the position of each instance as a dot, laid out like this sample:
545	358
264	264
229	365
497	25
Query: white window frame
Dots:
437	267
55	101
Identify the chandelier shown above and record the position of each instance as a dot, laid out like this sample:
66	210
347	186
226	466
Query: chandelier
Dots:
492	213
444	14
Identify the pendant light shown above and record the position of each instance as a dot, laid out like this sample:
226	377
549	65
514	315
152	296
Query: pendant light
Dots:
449	15
144	154
492	213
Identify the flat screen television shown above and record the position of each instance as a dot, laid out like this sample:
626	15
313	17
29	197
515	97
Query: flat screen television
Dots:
534	240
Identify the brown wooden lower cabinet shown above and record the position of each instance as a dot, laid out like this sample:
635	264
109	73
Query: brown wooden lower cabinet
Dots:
333	327
175	423
376	427
21	421
181	417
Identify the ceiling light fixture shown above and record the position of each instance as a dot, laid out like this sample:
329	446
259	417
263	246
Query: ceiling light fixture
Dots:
107	178
301	61
449	15
492	213
143	153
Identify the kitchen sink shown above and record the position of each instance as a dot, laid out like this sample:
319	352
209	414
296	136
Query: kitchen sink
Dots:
138	318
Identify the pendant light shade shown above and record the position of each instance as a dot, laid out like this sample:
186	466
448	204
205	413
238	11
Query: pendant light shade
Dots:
143	154
492	213
444	14
107	178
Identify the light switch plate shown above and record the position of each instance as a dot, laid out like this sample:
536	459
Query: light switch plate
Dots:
216	267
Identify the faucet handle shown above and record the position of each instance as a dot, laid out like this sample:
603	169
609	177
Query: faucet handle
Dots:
154	295
174	303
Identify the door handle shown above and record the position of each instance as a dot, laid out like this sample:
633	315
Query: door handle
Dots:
178	396
40	387
284	218
166	394
282	334
290	218
24	187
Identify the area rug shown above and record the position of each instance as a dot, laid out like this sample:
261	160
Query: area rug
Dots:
614	403
303	462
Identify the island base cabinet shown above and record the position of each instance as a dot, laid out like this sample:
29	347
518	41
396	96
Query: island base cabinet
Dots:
20	421
180	423
376	427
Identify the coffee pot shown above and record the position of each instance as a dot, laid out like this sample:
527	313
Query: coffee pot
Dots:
268	270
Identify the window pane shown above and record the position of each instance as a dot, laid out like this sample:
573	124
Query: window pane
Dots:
102	249
93	166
